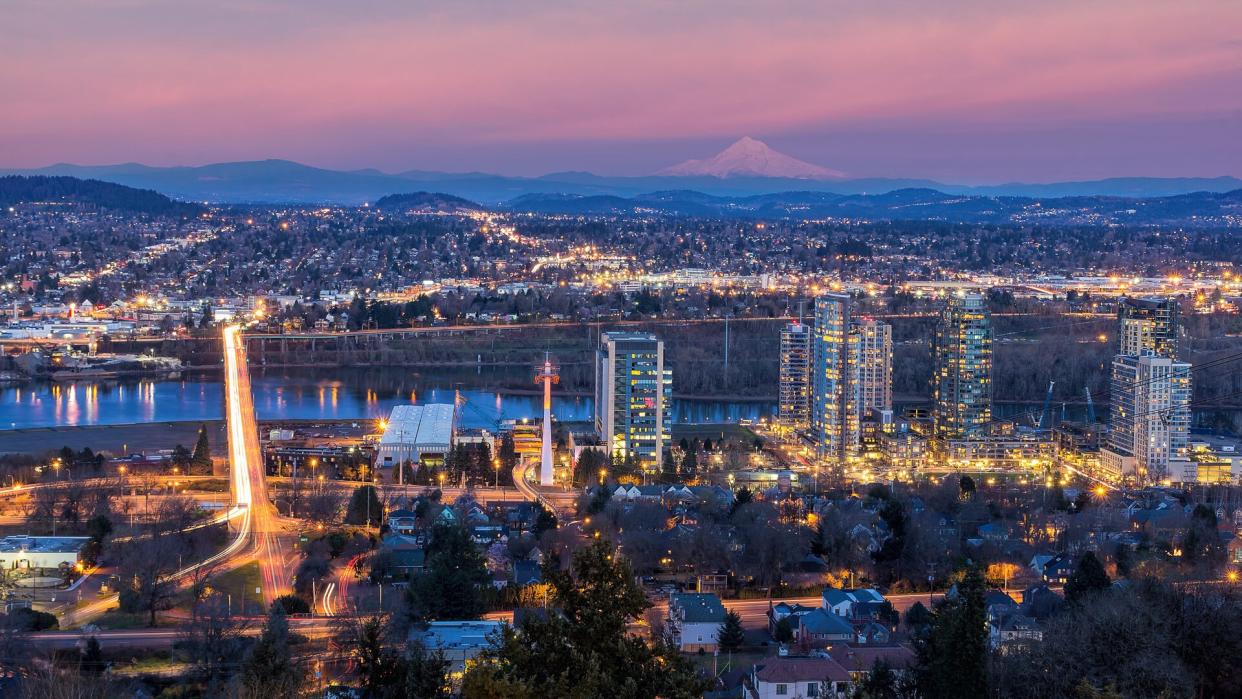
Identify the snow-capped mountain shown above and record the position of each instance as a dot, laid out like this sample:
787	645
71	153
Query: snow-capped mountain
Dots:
748	157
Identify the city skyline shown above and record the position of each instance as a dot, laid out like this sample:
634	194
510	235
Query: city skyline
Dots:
1062	91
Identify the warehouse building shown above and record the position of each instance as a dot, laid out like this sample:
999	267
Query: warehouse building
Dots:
415	432
36	555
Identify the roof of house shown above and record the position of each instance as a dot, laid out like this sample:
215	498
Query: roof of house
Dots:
825	623
863	658
698	607
800	670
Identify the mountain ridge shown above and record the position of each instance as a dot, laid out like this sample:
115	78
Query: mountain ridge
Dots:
749	157
284	181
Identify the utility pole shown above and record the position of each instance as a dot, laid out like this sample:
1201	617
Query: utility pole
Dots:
726	350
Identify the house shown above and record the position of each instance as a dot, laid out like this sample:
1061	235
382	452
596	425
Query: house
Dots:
1012	627
405	555
859	660
458	641
527	573
857	603
402	521
873	632
694	620
784	610
798	678
819	628
1058	570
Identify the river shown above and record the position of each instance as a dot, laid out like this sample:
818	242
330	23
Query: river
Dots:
309	395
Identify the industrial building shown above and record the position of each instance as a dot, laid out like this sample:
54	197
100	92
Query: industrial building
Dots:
415	432
33	555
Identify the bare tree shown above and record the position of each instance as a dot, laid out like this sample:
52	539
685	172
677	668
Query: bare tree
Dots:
323	506
213	643
146	565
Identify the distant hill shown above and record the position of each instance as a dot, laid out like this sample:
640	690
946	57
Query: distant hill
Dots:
1195	209
431	202
283	181
16	189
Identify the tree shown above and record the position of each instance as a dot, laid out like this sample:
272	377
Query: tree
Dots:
269	671
200	462
880	683
91	659
967	486
426	674
364	507
585	651
784	630
731	635
212	644
144	570
953	658
451	585
292	604
381	669
1088	576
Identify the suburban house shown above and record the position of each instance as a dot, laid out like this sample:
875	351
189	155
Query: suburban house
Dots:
820	628
1012	627
694	620
859	660
853	604
798	678
402	521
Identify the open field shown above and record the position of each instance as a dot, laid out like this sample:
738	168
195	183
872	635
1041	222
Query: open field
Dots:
117	439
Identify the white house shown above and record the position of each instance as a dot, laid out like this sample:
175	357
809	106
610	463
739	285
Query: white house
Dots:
694	621
799	678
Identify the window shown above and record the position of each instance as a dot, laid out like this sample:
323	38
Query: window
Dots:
782	690
812	689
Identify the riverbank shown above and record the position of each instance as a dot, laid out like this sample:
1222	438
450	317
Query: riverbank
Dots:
115	439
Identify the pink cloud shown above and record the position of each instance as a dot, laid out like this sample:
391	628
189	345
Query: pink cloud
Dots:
159	82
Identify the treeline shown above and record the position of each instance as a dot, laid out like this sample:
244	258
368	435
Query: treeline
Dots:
18	189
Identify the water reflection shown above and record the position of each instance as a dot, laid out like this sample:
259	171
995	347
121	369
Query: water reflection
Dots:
348	395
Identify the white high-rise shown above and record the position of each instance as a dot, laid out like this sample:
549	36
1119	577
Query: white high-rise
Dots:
875	364
1150	421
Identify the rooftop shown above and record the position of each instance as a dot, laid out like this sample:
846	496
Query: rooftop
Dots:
420	424
699	607
43	544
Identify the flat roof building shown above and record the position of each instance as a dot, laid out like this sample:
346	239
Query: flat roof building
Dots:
29	553
416	431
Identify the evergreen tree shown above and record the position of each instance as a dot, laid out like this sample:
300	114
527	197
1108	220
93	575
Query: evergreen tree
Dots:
731	635
585	651
269	670
364	507
1089	576
784	630
426	674
382	671
200	462
880	683
451	586
953	658
92	657
690	461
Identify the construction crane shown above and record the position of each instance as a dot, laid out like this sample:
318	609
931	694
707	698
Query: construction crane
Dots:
1043	415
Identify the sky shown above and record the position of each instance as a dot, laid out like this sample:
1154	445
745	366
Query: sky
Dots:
964	91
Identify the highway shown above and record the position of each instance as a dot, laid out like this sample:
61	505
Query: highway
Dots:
251	506
248	476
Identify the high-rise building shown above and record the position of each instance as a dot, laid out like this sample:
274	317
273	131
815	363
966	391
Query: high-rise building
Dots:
1150	420
962	383
1148	326
633	394
875	365
834	379
794	407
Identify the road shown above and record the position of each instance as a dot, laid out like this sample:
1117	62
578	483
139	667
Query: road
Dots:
247	467
251	508
559	502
